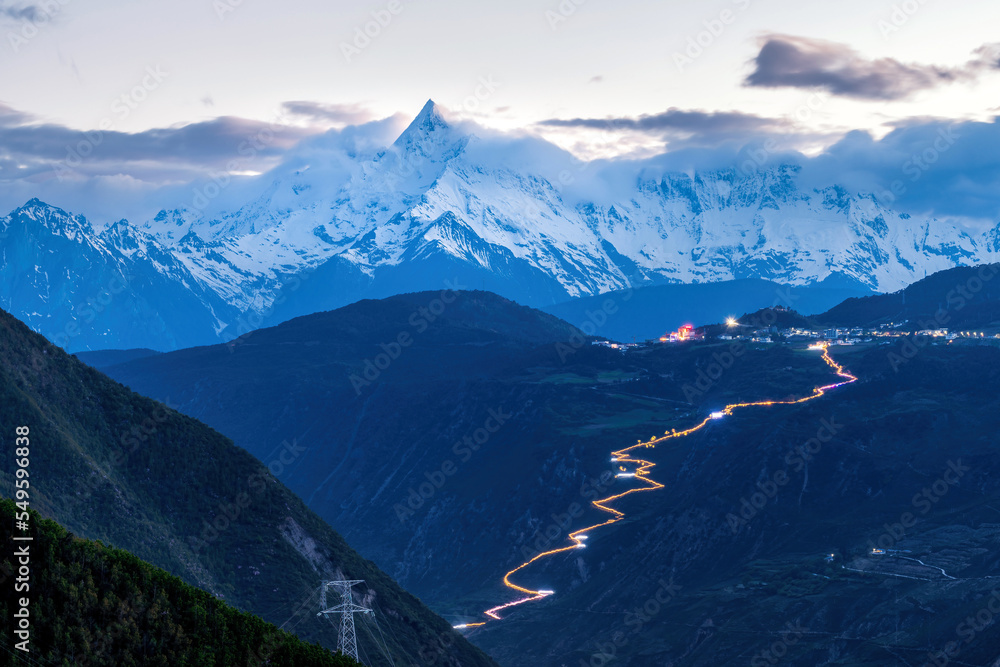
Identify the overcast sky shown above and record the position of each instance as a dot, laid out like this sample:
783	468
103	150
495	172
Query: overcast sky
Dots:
170	83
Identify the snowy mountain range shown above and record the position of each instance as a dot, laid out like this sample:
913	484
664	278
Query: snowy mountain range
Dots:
447	205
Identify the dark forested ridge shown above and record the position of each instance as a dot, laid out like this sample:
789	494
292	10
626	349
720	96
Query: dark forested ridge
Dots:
115	466
963	297
95	605
647	312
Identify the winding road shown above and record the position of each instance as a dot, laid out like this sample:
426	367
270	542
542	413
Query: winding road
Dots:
642	469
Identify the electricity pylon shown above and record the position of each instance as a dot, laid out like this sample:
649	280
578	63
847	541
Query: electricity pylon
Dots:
347	642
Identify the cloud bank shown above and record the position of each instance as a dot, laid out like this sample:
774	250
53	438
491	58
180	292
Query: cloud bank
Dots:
801	62
941	167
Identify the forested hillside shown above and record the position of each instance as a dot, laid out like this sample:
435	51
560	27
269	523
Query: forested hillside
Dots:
96	605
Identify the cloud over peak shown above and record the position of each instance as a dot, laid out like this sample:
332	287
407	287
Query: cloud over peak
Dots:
707	127
337	114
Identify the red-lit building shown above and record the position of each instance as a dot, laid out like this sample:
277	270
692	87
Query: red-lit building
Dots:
686	332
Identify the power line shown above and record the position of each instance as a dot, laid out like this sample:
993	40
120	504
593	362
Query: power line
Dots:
384	646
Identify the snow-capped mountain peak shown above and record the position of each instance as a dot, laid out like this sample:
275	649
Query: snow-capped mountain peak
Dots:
515	215
54	220
429	134
171	225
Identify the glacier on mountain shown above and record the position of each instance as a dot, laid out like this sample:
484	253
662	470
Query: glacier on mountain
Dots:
512	214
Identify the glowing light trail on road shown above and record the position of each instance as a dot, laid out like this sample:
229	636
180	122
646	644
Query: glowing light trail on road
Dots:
534	595
642	472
